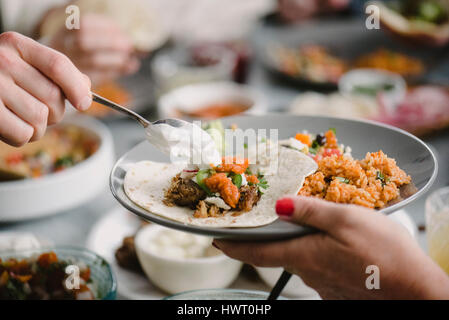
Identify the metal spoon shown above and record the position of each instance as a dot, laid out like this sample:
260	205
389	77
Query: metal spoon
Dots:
144	122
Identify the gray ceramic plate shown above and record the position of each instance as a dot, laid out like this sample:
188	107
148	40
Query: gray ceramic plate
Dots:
411	154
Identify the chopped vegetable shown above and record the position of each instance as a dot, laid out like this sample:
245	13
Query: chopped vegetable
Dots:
237	180
220	183
263	184
380	176
200	177
304	138
42	278
341	179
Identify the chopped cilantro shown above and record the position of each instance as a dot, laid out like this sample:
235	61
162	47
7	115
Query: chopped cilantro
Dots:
237	180
380	176
263	184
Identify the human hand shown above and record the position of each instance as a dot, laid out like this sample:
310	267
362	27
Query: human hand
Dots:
297	10
334	261
34	81
98	48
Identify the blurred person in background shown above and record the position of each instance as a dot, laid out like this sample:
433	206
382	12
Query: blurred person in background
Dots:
104	48
414	21
300	10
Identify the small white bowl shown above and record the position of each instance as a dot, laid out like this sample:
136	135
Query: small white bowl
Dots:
195	96
56	192
178	275
374	77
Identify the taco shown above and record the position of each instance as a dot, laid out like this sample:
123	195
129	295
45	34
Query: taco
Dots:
233	194
426	20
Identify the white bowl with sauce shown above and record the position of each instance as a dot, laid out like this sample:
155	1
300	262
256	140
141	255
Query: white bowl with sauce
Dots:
192	101
57	192
176	261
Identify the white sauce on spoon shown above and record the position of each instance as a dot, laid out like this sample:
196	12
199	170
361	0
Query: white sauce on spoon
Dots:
186	144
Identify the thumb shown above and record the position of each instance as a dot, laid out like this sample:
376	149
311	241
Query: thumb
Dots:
320	214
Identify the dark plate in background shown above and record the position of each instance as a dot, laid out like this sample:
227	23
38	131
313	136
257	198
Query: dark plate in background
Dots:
347	39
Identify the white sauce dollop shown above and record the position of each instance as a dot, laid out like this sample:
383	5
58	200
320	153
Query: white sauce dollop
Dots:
12	241
187	144
219	202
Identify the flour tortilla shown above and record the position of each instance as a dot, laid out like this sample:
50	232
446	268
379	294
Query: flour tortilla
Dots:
146	182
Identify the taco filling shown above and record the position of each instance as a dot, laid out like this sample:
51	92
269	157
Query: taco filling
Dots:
212	192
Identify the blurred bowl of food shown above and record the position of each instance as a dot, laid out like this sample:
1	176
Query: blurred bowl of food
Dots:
182	65
59	273
334	104
210	101
376	84
221	294
68	166
177	261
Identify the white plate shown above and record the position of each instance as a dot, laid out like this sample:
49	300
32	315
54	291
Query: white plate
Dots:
108	233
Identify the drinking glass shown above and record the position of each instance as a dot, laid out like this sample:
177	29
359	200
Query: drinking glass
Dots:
437	227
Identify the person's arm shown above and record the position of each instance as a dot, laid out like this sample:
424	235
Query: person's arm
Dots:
34	81
99	48
334	261
299	10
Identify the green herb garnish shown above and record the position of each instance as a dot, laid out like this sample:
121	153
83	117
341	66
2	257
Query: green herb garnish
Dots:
66	161
333	130
380	176
343	180
263	184
314	147
237	180
372	90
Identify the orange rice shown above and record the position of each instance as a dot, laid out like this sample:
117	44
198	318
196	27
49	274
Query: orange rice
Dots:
371	182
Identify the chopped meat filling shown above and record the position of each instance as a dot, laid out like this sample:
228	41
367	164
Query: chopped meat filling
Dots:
206	210
126	255
249	196
184	193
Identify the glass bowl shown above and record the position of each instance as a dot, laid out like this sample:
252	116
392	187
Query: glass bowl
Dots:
103	278
221	294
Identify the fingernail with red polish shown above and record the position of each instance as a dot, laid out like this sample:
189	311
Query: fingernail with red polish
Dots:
285	207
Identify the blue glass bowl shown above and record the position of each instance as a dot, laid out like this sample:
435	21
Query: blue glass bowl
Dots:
103	278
